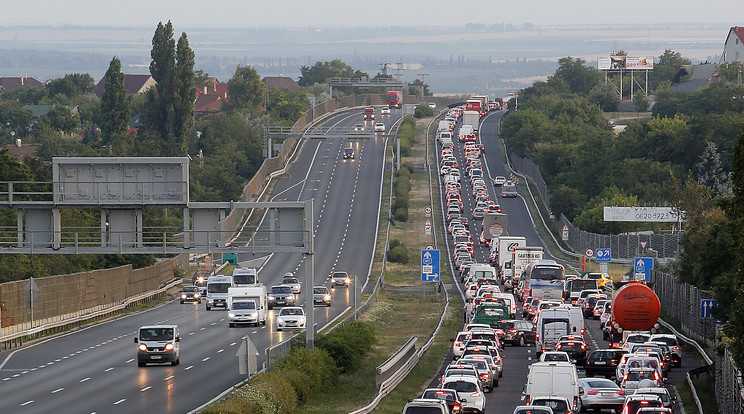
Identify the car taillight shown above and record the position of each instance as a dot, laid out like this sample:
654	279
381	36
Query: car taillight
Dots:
475	394
592	392
576	402
457	343
620	392
583	346
456	407
512	330
527	400
484	375
498	359
676	348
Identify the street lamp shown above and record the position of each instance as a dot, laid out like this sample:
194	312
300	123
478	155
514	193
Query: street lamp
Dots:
422	84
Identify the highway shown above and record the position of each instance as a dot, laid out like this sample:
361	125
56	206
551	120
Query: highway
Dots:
516	360
95	369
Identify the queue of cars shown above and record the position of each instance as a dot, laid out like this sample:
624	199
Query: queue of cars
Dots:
568	376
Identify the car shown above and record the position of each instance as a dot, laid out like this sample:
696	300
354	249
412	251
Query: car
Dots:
485	372
281	295
379	127
509	190
292	317
554	356
654	410
577	350
340	279
369	113
635	402
673	343
426	405
458	344
358	127
448	396
640	378
531	409
469	391
667	400
600	393
432	105
385	110
292	282
158	344
499	180
559	405
636	337
348	153
603	362
518	332
191	294
321	295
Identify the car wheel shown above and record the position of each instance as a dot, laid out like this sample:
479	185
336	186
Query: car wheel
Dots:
174	363
140	364
230	324
497	383
181	302
209	308
521	340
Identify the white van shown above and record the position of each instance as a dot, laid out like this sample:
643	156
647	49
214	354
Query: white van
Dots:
447	143
158	344
551	325
482	271
547	379
217	287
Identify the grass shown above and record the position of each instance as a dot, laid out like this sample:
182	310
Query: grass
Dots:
705	387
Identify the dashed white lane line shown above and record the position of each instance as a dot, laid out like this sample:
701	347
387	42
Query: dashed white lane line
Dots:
145	389
205	359
27	403
168	377
221	350
120	401
129	360
108	369
233	344
188	367
85	379
57	390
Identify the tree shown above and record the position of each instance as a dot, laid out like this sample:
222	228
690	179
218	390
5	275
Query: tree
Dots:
710	173
322	71
71	86
62	118
605	96
115	110
579	77
640	101
245	89
169	108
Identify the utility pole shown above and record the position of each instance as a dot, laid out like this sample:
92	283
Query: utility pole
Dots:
422	84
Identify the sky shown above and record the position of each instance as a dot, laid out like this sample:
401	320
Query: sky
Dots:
374	13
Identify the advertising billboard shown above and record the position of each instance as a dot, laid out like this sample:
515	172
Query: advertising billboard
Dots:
625	63
642	214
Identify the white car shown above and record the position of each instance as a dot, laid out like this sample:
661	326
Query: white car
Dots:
469	390
385	110
379	127
499	180
290	318
293	282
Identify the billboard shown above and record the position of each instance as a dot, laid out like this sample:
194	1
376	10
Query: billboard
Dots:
625	63
642	214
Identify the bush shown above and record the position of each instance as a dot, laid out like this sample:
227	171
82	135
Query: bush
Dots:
319	367
408	165
423	109
394	243
349	344
279	386
402	187
398	254
300	382
400	214
400	202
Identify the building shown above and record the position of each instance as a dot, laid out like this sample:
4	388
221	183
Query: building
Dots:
210	97
12	84
21	150
282	83
134	84
733	49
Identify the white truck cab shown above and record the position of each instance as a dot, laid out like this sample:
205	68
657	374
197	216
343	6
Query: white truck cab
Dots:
217	287
246	305
158	344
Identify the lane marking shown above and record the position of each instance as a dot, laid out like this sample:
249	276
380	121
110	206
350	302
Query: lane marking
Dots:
129	360
108	369
120	401
57	390
27	403
168	377
188	367
205	359
145	389
85	379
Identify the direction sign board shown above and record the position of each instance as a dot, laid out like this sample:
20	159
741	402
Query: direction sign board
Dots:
706	306
642	268
603	255
430	265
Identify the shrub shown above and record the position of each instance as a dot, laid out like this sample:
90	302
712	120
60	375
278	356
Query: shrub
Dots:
408	165
402	187
400	202
400	214
300	382
349	344
423	109
319	367
394	243
279	387
398	254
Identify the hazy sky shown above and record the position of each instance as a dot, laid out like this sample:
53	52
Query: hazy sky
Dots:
325	13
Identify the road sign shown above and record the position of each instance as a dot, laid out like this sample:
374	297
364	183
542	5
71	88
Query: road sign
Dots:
706	306
564	233
430	265
32	294
643	244
642	268
589	253
603	255
427	211
429	247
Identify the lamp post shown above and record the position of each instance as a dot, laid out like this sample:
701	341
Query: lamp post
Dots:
422	84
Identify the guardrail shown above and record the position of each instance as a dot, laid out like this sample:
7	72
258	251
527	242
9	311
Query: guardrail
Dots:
17	338
387	368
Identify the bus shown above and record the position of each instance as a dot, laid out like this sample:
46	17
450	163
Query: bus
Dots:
543	279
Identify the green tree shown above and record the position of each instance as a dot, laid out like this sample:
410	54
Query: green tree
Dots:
71	85
579	77
62	118
640	101
710	173
245	89
322	71
605	96
185	94
115	111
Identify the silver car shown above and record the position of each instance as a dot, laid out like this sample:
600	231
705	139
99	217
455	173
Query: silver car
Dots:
321	296
293	282
469	391
600	393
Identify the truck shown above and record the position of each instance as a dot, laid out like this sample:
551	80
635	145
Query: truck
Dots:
245	276
575	286
505	246
394	99
473	105
491	314
547	379
471	118
217	287
483	103
246	305
552	323
522	256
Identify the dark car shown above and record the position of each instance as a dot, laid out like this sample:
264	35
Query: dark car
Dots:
518	332
349	153
576	350
603	362
190	294
281	295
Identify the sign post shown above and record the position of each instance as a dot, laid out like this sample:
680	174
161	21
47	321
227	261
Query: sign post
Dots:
32	297
706	306
430	265
564	233
642	268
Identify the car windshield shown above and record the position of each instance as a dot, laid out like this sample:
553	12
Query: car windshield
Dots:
249	304
217	287
320	291
423	410
289	311
601	383
556	405
289	280
639	375
439	395
281	289
478	364
339	275
190	289
461	386
156	334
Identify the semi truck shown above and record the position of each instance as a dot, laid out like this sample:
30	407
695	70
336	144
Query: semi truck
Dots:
522	257
246	305
471	118
506	244
394	99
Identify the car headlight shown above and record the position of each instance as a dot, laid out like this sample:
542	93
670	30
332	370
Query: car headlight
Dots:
196	295
347	280
183	296
143	347
231	315
327	297
169	346
290	297
271	297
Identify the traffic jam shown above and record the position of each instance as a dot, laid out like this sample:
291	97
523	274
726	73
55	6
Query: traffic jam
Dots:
516	297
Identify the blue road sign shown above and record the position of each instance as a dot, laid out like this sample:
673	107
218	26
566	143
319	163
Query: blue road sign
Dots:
642	268
602	255
430	265
706	307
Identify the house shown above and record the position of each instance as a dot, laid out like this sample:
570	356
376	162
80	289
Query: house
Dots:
733	49
21	150
12	84
210	97
698	77
282	82
41	110
134	84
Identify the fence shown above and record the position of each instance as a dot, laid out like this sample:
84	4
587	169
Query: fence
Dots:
729	387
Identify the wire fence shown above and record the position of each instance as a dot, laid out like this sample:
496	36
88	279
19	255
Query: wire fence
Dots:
729	387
